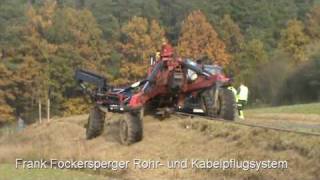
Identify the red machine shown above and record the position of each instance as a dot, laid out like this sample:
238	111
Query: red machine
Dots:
172	85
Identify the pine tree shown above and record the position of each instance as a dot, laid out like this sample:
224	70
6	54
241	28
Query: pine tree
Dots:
199	39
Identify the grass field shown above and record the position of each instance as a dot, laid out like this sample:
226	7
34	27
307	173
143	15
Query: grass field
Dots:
172	139
312	108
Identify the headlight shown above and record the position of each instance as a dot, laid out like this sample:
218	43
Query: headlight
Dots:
194	76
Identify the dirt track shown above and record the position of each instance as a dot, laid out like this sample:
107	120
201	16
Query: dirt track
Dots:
172	139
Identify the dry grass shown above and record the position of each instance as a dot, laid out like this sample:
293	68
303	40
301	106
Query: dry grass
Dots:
311	108
172	139
9	172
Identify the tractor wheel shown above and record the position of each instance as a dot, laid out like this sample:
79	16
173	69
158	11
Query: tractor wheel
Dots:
131	129
226	107
208	102
95	123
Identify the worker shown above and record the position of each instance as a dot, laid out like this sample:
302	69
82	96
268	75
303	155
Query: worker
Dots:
231	87
234	91
200	63
166	52
20	124
242	99
157	56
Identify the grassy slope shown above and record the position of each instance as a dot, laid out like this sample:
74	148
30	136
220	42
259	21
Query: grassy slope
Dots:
312	108
172	139
300	117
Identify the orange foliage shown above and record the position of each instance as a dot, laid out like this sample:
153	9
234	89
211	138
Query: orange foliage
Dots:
6	112
199	39
142	39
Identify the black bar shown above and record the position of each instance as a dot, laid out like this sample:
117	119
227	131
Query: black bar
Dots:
90	77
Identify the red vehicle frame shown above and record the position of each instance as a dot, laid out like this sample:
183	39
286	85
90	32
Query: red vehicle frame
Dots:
168	84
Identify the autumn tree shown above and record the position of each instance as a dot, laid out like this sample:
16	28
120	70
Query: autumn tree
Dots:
252	57
231	34
55	41
313	22
294	40
79	43
29	87
140	39
199	39
77	31
6	111
156	34
32	75
250	62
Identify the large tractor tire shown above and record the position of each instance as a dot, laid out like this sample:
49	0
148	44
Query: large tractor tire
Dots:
226	104
95	123
131	128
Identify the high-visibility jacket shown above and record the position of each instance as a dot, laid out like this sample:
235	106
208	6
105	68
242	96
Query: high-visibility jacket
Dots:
234	92
243	93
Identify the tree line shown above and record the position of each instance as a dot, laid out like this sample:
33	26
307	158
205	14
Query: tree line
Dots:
272	46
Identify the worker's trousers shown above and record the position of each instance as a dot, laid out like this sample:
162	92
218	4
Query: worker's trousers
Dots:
241	105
